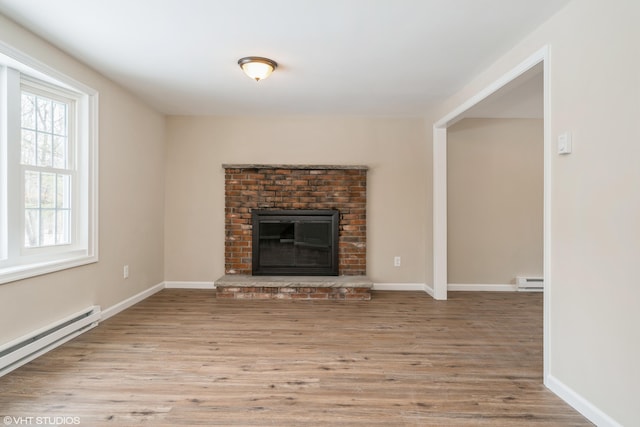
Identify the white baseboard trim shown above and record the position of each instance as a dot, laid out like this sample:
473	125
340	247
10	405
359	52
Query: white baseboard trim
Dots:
580	404
481	287
123	305
399	287
189	285
429	289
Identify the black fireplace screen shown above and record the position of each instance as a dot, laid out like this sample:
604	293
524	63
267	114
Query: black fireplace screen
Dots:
295	242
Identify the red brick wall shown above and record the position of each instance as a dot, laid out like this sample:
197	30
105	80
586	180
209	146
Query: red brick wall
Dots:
296	187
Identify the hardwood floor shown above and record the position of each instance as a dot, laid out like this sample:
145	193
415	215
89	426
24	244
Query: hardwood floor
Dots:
183	357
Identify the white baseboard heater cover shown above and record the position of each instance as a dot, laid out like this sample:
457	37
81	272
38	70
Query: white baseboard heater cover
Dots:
26	348
530	284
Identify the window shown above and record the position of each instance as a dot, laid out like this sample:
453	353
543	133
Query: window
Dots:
48	170
48	177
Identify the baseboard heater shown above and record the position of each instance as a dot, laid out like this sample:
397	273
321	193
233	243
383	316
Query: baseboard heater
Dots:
26	348
530	284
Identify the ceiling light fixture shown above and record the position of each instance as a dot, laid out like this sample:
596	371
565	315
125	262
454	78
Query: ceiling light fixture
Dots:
256	67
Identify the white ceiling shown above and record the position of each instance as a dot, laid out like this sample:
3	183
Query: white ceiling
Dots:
352	57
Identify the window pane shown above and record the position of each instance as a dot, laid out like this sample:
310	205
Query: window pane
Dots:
47	227
47	190
44	149
44	115
28	148
47	209
60	152
59	118
44	132
28	111
31	227
62	227
63	193
31	189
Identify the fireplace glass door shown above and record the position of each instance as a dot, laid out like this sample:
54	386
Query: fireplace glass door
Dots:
295	242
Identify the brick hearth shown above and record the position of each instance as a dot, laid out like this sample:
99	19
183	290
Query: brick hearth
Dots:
236	286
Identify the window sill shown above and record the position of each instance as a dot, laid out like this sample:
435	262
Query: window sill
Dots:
12	274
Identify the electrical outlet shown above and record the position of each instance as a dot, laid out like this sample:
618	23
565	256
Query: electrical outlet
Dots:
396	261
125	271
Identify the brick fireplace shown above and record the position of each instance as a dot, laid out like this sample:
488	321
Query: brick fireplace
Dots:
249	187
254	187
305	187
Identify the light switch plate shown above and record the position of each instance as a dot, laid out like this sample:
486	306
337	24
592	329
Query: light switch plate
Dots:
564	143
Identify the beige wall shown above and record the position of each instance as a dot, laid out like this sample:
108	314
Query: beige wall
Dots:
595	203
131	180
494	197
394	149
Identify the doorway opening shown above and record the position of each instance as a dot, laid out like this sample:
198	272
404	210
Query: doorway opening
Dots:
507	81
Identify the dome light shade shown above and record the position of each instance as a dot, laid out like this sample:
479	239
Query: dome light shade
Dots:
256	67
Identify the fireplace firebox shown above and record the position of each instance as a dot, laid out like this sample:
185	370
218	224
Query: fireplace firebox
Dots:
295	242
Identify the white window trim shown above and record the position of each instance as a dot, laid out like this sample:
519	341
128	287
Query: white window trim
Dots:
87	110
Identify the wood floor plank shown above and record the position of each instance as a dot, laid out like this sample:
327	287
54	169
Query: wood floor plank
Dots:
183	357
